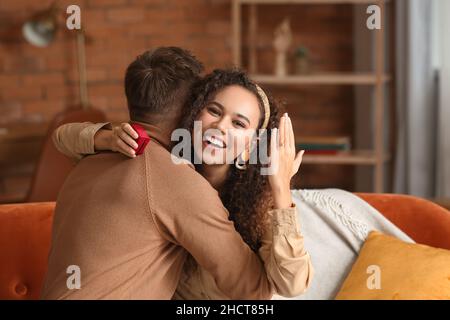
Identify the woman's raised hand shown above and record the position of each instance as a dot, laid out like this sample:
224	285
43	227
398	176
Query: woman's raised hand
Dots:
122	140
284	162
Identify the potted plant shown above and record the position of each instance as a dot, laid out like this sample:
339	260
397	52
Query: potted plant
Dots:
302	60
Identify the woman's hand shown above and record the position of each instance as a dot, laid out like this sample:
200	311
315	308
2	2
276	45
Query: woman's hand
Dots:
284	162
120	139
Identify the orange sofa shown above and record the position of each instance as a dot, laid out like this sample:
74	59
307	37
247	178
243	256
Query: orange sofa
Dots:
25	232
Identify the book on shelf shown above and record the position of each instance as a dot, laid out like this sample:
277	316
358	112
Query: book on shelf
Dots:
329	145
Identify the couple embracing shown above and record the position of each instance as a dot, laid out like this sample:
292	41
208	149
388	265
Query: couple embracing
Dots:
148	227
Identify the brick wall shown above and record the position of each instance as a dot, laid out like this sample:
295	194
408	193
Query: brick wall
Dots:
36	83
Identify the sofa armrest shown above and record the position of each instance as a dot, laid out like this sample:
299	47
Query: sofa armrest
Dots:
25	232
423	220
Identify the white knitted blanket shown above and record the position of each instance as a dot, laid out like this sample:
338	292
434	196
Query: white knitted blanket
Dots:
335	224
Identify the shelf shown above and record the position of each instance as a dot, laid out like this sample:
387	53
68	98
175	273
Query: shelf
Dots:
310	1
376	78
361	157
321	79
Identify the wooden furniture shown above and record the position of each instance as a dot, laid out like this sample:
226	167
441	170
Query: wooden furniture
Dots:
20	145
378	156
31	169
53	167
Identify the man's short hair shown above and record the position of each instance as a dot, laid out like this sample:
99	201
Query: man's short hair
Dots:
159	81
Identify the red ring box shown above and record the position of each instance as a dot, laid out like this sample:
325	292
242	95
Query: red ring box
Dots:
143	138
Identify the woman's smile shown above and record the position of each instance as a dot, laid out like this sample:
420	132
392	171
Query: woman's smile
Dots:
214	142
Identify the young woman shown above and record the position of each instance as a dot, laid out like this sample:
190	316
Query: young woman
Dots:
229	104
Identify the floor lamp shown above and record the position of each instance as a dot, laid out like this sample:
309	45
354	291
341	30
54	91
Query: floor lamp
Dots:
40	31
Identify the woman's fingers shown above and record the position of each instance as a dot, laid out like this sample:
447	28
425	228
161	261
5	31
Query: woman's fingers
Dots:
127	139
124	148
274	148
128	134
129	130
282	130
297	162
291	137
274	151
287	140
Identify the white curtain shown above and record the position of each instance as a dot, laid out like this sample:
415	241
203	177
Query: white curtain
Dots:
417	149
442	45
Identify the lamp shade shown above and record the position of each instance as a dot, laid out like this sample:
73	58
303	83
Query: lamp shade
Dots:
40	30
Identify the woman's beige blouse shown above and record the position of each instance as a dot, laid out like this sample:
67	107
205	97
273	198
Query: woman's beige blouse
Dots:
287	263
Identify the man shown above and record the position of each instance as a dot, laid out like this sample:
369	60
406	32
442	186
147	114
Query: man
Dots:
128	225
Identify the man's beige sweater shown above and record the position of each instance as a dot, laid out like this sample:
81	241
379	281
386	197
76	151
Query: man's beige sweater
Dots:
129	224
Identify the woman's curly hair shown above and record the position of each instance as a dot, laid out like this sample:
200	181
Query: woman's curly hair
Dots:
245	193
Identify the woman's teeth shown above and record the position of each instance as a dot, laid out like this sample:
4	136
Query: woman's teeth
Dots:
215	142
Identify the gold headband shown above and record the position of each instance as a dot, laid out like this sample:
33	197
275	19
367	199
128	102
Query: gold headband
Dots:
263	96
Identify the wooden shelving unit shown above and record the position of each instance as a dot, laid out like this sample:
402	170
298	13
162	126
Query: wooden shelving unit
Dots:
321	79
308	1
377	79
362	157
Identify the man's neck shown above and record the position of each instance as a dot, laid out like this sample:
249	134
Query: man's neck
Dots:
161	126
157	133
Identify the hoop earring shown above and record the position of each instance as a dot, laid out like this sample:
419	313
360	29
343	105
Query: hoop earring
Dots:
240	162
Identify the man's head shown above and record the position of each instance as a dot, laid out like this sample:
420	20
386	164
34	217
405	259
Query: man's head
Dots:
157	84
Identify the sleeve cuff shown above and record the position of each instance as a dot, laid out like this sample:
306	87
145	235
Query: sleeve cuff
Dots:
284	221
87	136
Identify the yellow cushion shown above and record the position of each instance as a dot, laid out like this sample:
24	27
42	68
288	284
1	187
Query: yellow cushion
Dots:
388	268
